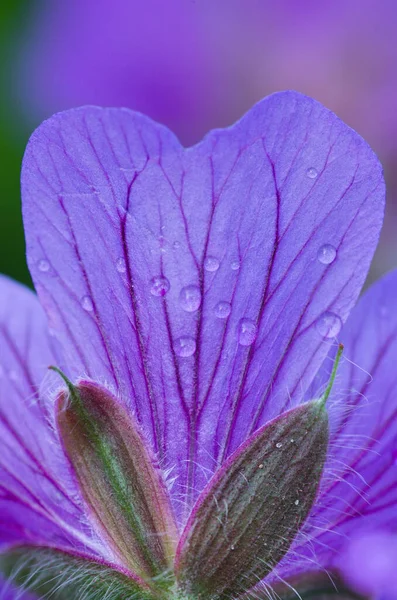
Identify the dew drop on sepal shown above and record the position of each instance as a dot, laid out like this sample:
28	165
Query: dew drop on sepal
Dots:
190	298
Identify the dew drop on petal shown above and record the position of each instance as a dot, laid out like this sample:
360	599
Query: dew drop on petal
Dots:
279	445
383	311
190	298
312	173
223	309
326	254
296	502
13	375
235	265
247	331
159	286
329	324
185	346
43	265
120	265
86	303
211	264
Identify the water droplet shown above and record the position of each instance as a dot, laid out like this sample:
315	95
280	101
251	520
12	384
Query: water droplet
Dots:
120	265
232	547
247	332
223	309
384	311
260	466
235	265
312	173
159	286
292	440
13	375
296	502
185	346
43	265
86	303
279	445
190	298
326	254
211	264
329	324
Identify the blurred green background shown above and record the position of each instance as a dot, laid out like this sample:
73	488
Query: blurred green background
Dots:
15	16
194	65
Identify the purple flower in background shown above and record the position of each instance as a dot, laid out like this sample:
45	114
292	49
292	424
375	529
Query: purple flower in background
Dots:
185	446
198	65
369	563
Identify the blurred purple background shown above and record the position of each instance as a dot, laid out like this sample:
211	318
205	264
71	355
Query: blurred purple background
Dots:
199	64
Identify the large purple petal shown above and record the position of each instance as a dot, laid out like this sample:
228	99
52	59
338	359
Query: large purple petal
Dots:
38	497
263	234
359	491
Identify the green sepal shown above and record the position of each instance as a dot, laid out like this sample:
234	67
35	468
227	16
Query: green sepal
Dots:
119	478
52	573
247	517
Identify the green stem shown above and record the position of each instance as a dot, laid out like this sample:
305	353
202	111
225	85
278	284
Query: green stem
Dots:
329	387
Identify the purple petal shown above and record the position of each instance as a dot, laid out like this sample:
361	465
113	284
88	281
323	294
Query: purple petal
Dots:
359	491
125	219
38	497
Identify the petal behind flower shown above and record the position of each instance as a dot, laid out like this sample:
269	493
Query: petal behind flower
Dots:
198	282
39	499
359	490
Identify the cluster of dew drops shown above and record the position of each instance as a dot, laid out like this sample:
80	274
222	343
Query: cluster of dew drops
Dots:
190	301
328	325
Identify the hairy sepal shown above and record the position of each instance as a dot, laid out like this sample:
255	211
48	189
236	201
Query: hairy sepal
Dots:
313	586
247	517
52	573
119	478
